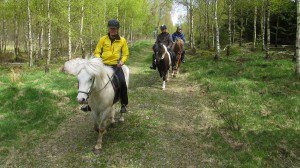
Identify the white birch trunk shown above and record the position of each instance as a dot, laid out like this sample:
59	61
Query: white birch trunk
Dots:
124	25
69	31
29	35
229	24
268	31
262	26
81	31
254	27
218	47
298	39
41	42
49	38
192	26
17	50
91	29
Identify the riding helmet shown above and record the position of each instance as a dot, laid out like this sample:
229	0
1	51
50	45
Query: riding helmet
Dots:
114	23
163	27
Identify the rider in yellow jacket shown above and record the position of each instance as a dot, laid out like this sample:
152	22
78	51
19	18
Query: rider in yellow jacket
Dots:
113	50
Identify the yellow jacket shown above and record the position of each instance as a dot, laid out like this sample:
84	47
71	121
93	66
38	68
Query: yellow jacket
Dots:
111	53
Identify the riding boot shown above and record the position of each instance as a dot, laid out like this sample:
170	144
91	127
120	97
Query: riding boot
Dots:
123	91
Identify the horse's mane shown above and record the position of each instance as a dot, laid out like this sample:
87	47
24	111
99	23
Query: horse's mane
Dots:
178	45
93	66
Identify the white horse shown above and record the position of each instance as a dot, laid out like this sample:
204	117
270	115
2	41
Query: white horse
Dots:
95	88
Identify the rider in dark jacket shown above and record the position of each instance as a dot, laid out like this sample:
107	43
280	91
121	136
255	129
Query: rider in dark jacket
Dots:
179	34
165	38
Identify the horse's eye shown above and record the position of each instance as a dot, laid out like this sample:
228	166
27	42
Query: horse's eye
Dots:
91	79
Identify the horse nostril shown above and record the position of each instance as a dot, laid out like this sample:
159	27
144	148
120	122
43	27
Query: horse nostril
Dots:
83	100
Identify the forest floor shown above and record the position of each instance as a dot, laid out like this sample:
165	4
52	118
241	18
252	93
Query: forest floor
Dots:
242	111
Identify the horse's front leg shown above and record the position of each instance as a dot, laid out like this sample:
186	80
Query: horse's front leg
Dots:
112	116
164	81
96	120
167	75
102	130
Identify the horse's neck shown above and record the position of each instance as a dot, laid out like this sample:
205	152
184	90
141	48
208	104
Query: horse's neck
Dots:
103	78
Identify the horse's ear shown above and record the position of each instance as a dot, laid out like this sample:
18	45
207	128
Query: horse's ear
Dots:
72	66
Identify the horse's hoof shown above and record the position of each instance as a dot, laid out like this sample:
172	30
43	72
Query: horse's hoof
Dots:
96	129
113	125
96	151
121	119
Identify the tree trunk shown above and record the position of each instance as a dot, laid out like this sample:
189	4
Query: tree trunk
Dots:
254	28
3	37
208	27
29	35
241	28
69	30
49	38
218	48
192	27
41	42
81	31
213	35
124	25
229	29
17	48
263	27
234	30
267	56
91	29
277	28
298	39
131	30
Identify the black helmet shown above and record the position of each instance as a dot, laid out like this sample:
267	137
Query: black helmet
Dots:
163	27
179	28
114	23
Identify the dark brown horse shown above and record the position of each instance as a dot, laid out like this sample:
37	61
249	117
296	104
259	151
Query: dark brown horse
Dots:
177	48
163	62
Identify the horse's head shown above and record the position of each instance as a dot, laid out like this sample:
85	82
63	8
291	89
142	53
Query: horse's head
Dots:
159	51
86	71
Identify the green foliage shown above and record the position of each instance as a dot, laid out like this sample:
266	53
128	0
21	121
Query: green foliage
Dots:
257	101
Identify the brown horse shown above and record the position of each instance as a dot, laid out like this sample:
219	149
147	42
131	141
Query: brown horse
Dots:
177	48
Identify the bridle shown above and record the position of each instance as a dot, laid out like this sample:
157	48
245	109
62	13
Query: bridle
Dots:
90	90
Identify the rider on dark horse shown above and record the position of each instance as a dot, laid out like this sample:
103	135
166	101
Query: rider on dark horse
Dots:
165	38
179	34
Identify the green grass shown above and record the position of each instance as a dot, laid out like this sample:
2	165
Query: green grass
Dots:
258	102
240	112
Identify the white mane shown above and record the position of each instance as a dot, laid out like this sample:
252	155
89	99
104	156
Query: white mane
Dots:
166	53
93	66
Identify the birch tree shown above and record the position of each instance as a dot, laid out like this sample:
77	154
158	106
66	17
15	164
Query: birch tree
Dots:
69	31
254	26
218	48
298	39
81	30
29	34
49	37
267	55
229	27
